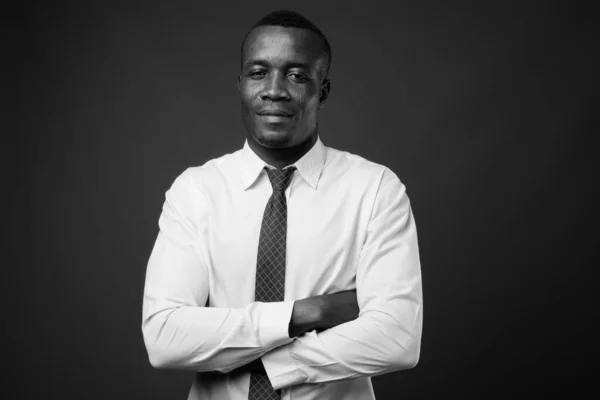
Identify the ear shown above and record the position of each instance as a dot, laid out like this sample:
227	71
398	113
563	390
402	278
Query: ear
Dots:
324	94
239	82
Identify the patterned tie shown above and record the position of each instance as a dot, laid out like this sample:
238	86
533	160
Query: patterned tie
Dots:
270	264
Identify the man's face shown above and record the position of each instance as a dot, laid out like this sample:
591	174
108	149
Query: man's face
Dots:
281	85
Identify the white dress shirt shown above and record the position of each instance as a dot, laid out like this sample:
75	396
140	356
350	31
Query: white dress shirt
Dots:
350	226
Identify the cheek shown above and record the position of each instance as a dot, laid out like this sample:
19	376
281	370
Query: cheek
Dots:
248	94
309	101
301	98
311	107
253	91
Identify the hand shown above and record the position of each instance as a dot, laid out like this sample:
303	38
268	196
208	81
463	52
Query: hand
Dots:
323	312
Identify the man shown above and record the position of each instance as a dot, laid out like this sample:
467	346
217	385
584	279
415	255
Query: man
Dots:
286	269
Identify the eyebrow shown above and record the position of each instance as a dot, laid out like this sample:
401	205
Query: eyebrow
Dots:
288	65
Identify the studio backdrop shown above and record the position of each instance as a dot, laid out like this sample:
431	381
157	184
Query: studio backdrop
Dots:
480	109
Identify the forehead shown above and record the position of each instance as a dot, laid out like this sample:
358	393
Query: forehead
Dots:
277	43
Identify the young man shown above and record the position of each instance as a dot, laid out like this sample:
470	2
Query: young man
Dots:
287	269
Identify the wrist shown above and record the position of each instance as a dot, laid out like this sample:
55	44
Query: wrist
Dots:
306	315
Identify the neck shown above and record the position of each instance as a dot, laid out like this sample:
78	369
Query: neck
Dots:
282	157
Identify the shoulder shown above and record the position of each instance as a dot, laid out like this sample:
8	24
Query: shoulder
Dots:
352	166
209	175
197	184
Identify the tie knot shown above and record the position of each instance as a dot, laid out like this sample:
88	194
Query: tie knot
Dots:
280	178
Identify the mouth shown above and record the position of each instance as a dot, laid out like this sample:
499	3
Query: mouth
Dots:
275	113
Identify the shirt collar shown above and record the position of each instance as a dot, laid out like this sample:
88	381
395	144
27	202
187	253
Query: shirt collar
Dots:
309	166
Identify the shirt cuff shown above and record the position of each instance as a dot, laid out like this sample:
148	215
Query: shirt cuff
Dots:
282	369
273	327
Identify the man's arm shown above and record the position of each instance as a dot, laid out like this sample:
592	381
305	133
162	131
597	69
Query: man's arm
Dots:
323	312
179	332
314	313
387	334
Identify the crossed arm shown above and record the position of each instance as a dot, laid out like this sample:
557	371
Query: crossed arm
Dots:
314	313
314	340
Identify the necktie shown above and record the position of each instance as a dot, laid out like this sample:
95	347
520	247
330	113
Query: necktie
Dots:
270	264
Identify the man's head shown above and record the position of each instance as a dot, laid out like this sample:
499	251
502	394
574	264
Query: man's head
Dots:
283	81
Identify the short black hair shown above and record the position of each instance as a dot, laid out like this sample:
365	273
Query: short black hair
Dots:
292	19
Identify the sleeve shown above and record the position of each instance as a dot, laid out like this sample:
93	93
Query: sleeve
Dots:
179	331
387	334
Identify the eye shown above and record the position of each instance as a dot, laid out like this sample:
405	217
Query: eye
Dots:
298	77
257	73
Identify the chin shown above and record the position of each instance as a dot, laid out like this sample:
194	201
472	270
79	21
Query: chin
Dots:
274	139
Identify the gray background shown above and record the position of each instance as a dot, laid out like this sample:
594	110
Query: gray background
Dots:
482	110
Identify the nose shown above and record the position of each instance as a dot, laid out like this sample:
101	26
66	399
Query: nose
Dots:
275	89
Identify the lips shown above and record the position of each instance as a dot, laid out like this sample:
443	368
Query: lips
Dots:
274	112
